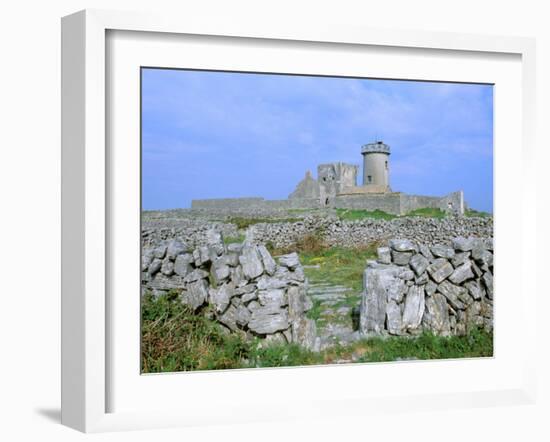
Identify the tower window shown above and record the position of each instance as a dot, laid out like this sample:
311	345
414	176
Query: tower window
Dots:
369	178
386	165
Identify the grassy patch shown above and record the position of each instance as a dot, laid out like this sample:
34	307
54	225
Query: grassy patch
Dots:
243	223
477	214
427	346
233	239
427	212
358	214
338	265
173	338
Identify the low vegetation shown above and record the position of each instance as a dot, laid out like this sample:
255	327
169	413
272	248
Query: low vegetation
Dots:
476	213
428	212
244	222
176	339
358	214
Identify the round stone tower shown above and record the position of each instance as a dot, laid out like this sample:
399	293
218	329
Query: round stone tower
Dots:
376	169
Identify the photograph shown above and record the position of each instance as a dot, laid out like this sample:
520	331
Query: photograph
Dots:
304	220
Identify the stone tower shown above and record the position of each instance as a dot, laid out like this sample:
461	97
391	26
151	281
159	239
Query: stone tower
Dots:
376	168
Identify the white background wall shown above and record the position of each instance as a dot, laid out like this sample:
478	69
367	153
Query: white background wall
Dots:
30	214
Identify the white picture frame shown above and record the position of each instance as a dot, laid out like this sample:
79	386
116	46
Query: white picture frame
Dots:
87	207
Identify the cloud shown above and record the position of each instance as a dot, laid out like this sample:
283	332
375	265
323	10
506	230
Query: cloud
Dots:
279	126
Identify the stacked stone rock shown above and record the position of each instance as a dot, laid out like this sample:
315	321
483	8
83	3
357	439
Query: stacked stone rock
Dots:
444	289
334	232
195	231
247	290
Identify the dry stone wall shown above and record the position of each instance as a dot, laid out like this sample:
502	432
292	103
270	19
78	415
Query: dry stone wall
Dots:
446	289
246	289
335	232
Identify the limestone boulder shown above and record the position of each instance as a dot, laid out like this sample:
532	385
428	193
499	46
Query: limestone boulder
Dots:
251	262
196	294
414	308
440	269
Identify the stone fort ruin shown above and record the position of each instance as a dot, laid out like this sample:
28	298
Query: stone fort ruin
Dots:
336	187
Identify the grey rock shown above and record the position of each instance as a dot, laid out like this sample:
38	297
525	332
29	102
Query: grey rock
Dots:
221	297
290	261
273	297
195	275
297	275
245	289
402	245
269	263
160	251
453	293
167	267
251	262
422	279
155	266
440	269
460	258
419	264
393	314
401	258
242	316
214	240
229	259
384	255
196	294
377	283
406	274
267	283
175	248
462	244
430	288
220	272
462	273
163	282
425	251
203	255
147	258
298	302
477	271
479	249
487	279
475	289
229	318
235	248
443	251
182	264
414	308
249	296
266	320
253	305
304	333
237	276
437	311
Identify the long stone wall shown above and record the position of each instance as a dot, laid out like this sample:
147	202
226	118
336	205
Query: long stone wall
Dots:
335	232
395	203
240	286
447	290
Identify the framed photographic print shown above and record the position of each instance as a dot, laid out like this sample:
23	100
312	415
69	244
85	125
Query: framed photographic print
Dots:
257	212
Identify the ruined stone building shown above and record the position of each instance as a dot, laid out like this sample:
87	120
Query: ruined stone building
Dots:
336	187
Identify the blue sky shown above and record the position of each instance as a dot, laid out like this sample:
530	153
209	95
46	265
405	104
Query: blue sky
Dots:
217	134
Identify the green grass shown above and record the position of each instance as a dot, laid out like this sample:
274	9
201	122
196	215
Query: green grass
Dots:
428	346
358	214
427	212
243	223
233	239
176	339
338	265
477	213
